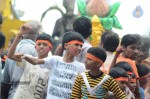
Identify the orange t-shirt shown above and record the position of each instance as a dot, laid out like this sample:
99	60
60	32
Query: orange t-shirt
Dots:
131	62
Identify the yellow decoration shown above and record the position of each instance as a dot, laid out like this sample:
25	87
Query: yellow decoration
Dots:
5	8
97	30
10	28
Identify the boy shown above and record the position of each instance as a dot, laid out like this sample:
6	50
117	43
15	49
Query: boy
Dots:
26	87
90	80
143	72
2	44
63	70
121	77
110	42
131	76
83	26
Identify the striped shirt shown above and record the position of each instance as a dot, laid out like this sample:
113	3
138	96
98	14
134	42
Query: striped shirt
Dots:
80	90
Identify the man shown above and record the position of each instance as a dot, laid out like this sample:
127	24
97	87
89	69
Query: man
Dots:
2	44
12	72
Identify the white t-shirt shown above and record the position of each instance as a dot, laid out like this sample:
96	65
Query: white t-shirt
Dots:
62	76
108	61
33	82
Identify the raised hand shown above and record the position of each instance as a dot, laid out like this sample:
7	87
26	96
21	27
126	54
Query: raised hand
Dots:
119	50
24	29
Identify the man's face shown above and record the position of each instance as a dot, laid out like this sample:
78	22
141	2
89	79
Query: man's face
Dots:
143	53
132	51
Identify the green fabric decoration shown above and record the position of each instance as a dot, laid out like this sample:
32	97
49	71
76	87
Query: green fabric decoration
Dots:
82	7
116	23
108	22
113	9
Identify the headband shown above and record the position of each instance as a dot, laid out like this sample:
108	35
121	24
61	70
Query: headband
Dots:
129	73
44	41
122	79
90	56
75	42
144	76
133	80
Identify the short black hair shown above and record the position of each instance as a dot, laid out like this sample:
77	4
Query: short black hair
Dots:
110	41
2	40
116	72
71	35
98	52
145	43
142	70
124	65
83	26
130	39
45	36
1	19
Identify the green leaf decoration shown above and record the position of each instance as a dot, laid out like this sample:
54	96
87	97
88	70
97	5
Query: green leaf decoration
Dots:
113	9
107	23
116	23
81	7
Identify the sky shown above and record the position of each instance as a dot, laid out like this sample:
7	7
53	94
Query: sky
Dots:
34	8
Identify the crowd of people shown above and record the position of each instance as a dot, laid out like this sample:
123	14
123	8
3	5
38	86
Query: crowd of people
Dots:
116	69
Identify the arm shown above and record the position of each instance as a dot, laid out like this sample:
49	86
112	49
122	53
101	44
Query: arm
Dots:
118	51
76	90
137	90
13	48
23	30
32	60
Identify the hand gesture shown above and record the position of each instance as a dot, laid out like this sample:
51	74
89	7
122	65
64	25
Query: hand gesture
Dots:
24	29
19	56
119	50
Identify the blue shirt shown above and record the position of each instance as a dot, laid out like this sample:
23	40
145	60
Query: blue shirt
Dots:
142	93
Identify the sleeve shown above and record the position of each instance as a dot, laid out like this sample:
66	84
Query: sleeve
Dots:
142	93
134	68
114	87
49	62
76	90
